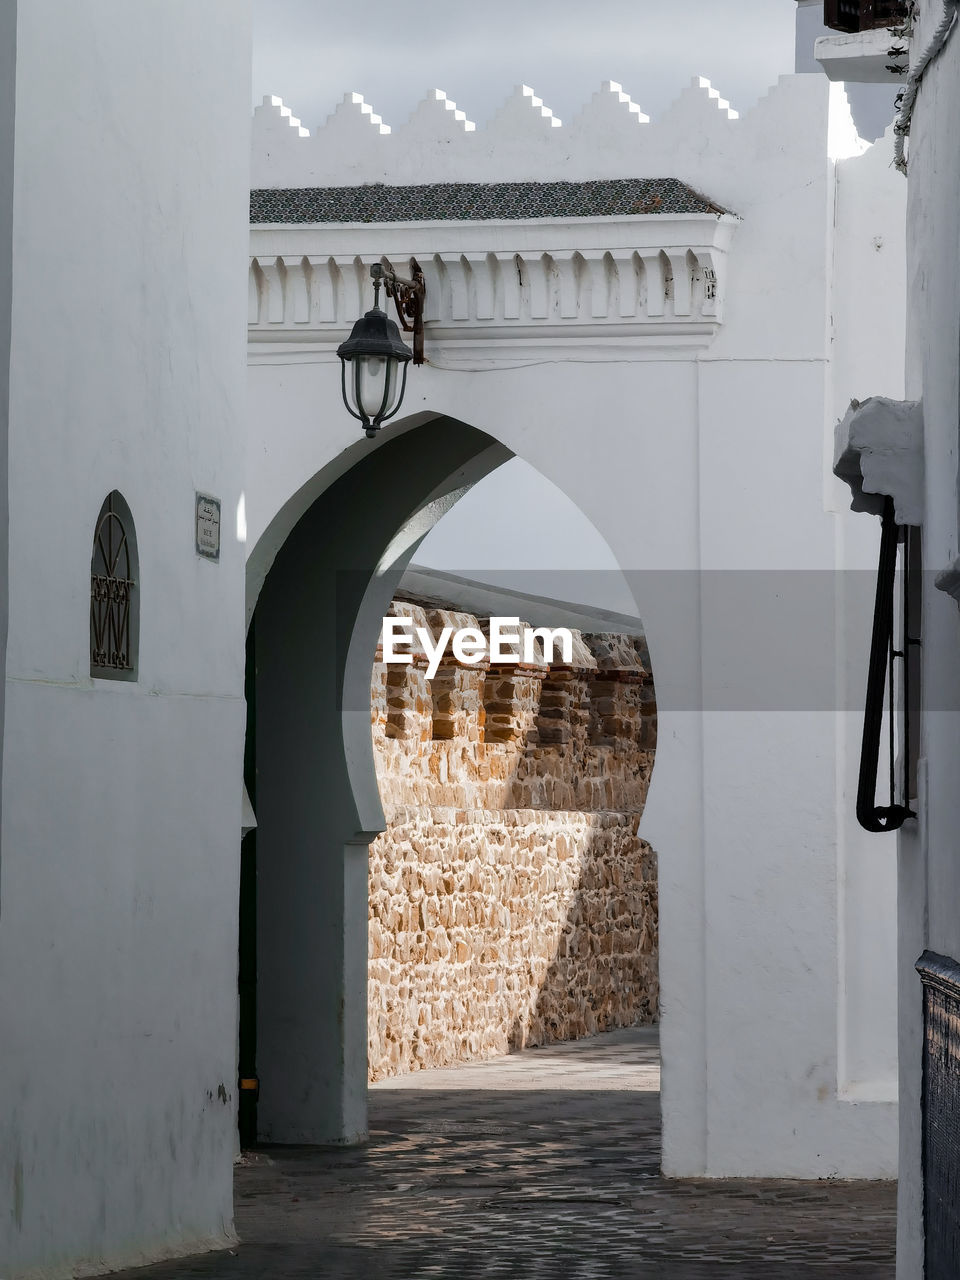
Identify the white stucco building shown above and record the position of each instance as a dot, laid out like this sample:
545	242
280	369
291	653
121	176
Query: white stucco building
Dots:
907	452
674	362
663	318
122	207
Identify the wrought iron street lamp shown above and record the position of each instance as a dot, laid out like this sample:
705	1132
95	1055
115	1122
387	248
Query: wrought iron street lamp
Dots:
374	358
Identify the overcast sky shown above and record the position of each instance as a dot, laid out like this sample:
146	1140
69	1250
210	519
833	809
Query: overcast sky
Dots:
311	52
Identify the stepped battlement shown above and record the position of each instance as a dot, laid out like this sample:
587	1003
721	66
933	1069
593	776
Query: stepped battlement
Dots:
610	137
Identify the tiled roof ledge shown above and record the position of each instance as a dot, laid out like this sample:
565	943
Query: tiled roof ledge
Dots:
879	453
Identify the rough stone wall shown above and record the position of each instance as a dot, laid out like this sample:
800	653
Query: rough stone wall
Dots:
511	900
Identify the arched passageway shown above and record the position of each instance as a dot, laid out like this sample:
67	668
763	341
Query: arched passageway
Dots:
315	626
310	772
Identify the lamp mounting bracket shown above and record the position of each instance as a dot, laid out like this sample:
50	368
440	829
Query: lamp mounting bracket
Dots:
408	297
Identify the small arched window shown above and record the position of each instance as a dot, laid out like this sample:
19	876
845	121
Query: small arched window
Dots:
114	603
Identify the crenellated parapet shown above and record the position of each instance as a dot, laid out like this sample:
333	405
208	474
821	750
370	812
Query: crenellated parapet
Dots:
524	141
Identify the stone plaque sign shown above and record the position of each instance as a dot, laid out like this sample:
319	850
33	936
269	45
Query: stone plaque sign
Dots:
208	526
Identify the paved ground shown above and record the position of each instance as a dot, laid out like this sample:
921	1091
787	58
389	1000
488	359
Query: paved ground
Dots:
541	1165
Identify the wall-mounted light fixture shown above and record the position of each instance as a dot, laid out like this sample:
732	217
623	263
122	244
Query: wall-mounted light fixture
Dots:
374	358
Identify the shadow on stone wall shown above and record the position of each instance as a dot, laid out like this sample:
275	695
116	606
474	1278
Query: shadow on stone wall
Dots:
511	900
605	971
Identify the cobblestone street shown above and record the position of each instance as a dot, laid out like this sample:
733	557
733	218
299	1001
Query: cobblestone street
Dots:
542	1165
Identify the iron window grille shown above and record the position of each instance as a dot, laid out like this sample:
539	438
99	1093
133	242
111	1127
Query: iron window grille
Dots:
863	15
114	612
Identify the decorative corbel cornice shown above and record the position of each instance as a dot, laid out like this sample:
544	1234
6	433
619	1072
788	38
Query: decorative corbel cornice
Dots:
879	454
500	292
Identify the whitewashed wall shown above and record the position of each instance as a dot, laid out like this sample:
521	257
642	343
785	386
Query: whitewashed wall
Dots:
8	81
121	801
929	872
708	455
868	335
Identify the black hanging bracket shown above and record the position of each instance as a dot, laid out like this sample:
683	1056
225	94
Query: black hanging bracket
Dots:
881	689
